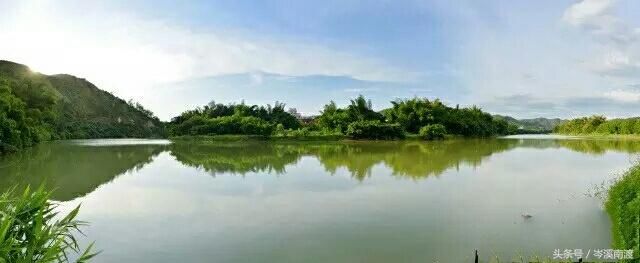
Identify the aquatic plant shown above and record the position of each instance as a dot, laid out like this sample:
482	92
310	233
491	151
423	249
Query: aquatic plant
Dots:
32	231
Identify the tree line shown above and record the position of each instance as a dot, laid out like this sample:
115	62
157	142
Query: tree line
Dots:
430	119
599	125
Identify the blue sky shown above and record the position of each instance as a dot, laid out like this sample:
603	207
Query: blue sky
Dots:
551	58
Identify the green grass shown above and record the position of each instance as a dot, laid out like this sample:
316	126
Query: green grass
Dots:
32	231
623	206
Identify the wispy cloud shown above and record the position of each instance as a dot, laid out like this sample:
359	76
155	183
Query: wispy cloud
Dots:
130	54
616	103
623	95
620	40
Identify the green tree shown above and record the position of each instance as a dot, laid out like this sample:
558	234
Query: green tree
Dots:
25	117
233	119
433	132
374	129
416	113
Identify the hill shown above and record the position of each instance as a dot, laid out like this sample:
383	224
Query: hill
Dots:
35	107
534	125
89	112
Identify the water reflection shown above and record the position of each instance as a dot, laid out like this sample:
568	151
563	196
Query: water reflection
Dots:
406	159
329	202
600	147
409	159
583	145
72	170
76	168
238	158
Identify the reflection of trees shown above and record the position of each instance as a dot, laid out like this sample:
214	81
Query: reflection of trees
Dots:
76	170
583	145
72	170
240	157
424	159
601	146
411	159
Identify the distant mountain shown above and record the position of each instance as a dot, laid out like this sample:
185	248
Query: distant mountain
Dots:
536	124
80	109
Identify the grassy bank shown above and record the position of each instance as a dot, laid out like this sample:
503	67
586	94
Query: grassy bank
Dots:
623	206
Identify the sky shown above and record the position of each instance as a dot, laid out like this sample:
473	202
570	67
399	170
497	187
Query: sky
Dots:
545	58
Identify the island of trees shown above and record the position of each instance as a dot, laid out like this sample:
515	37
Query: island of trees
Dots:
429	119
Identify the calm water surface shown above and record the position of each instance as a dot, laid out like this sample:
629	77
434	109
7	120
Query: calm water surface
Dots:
150	201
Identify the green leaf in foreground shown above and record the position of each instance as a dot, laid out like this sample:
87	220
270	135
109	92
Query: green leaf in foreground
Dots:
30	230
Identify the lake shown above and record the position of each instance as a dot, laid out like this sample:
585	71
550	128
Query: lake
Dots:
152	201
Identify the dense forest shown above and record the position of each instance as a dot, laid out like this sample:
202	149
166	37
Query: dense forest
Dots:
36	107
599	125
430	119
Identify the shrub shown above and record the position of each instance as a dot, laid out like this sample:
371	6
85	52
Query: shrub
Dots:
623	206
304	132
374	130
280	130
31	232
433	132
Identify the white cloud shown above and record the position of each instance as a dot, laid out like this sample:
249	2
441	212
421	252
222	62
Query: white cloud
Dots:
620	47
623	95
522	55
588	13
619	64
129	55
559	53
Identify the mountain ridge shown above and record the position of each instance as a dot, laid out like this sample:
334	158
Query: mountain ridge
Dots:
533	124
37	107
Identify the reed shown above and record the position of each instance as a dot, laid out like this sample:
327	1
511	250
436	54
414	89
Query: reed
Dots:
31	230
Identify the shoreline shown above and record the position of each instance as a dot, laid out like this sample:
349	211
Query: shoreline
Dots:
602	136
317	138
622	206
